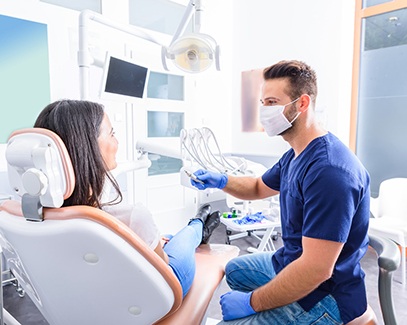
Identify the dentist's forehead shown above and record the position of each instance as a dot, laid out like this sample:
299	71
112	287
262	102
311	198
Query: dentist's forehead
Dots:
275	89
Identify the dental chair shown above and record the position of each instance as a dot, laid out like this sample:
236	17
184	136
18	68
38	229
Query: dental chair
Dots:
80	265
388	259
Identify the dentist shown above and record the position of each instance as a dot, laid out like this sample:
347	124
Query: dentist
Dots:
316	276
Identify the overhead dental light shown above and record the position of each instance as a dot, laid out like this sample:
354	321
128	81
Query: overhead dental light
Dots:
194	52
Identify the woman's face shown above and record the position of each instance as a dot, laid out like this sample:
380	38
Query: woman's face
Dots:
108	143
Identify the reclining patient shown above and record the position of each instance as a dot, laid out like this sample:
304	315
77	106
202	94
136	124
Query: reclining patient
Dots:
89	138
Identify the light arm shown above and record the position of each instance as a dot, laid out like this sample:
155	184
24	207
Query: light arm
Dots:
190	10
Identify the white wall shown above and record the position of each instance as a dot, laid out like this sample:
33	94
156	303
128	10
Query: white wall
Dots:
319	32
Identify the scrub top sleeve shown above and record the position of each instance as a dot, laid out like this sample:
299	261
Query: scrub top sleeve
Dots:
272	177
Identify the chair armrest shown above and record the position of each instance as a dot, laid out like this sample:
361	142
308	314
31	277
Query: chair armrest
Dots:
388	260
387	251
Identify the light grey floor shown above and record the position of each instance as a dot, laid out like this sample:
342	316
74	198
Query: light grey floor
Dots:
26	313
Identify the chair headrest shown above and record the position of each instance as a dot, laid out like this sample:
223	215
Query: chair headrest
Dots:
39	167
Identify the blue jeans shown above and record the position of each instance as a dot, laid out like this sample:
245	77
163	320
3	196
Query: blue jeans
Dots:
181	252
248	272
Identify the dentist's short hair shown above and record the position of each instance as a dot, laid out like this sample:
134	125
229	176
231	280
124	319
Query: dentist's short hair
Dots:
301	77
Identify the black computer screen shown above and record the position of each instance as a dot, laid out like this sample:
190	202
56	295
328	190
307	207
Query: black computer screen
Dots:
125	78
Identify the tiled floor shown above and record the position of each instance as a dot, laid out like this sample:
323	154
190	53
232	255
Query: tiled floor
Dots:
25	312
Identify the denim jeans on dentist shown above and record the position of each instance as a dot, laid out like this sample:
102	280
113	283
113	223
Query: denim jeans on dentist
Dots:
248	272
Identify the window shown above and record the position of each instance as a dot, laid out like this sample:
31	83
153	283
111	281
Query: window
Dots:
161	165
79	5
379	92
370	3
159	15
165	86
24	73
164	124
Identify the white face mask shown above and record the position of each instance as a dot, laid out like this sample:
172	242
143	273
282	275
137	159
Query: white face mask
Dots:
273	119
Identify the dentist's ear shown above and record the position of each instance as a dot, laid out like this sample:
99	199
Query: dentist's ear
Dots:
305	103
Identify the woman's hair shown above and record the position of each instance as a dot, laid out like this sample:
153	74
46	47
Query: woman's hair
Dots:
301	77
77	123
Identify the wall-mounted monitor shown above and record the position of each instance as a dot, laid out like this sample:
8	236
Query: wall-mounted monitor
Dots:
123	79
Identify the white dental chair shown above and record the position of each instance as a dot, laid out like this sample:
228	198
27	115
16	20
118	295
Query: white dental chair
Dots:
80	265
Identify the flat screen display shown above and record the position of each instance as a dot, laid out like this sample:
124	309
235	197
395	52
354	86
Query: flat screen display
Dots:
123	78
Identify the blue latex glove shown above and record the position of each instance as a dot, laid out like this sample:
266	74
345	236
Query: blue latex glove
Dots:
209	179
236	304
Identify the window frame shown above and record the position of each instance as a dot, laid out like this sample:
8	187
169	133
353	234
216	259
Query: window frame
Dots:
360	14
